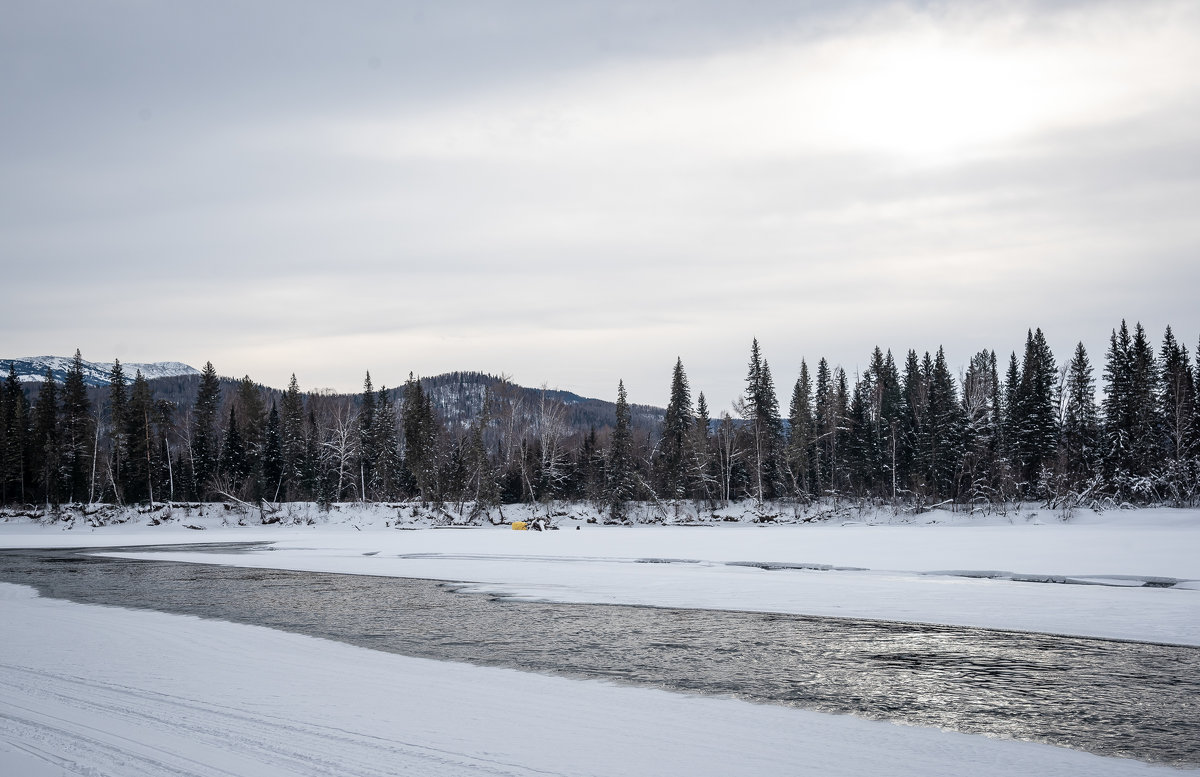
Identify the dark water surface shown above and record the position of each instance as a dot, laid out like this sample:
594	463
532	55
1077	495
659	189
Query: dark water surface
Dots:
1113	698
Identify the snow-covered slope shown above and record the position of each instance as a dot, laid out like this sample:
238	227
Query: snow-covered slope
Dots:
33	368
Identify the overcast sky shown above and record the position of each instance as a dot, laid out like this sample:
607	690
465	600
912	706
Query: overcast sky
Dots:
572	193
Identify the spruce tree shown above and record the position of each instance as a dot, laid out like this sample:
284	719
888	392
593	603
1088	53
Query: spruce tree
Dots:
252	417
981	429
1145	437
47	450
800	440
13	421
1033	421
77	437
233	464
1178	400
912	459
385	438
620	474
367	446
140	449
117	411
1081	421
272	457
204	442
761	410
824	421
14	458
701	447
945	425
292	441
673	459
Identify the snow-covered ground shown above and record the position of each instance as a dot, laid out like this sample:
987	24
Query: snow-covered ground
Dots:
1029	571
105	691
134	693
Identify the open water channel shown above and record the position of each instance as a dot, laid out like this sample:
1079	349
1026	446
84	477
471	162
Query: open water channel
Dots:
1131	699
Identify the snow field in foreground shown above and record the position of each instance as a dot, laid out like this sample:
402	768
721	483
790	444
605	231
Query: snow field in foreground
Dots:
105	691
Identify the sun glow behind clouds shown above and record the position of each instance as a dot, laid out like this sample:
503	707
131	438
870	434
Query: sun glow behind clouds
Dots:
913	86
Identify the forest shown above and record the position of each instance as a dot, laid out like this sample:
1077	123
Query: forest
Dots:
908	433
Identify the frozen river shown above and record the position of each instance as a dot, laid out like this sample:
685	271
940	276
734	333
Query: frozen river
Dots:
1111	698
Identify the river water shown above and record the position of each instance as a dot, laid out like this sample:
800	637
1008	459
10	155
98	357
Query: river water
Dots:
1113	698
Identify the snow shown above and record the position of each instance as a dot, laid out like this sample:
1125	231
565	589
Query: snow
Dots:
106	691
1033	572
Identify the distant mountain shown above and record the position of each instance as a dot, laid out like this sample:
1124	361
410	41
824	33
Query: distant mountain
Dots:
33	369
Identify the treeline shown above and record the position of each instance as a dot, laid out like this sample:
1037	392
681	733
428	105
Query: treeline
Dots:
910	433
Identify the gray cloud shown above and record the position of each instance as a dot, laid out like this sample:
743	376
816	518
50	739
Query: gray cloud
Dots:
574	193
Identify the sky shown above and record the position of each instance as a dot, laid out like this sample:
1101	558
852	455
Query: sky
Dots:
570	194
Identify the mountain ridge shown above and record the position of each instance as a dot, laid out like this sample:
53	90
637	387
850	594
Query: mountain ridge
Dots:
32	369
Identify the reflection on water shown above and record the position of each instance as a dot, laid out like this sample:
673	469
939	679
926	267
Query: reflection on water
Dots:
1112	698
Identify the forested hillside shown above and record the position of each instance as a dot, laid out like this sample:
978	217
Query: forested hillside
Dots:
907	431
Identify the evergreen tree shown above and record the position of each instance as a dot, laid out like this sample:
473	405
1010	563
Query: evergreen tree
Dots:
760	408
204	442
233	464
1033	422
981	429
272	458
117	412
1081	421
1178	400
800	440
673	460
421	433
292	441
47	451
702	476
912	459
945	425
861	454
367	445
1130	414
77	437
620	475
1147	423
14	451
824	427
139	469
385	441
252	415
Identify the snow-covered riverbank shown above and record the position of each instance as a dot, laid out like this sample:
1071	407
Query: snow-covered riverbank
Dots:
1120	574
